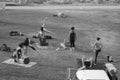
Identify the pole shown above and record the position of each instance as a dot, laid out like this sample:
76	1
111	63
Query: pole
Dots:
69	74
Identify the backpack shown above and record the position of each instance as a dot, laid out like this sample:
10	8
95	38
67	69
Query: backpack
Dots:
26	60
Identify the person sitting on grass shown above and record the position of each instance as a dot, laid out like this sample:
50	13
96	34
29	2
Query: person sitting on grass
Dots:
63	45
17	53
41	36
22	48
20	53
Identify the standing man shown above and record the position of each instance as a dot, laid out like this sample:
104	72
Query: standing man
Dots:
72	38
97	46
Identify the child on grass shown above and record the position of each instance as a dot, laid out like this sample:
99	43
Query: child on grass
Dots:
64	45
72	38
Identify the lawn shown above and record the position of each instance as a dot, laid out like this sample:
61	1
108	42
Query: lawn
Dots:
51	64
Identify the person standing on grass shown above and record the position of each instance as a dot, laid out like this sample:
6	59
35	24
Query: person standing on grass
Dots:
97	46
72	38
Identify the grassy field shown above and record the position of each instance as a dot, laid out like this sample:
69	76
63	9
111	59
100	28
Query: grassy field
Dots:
51	64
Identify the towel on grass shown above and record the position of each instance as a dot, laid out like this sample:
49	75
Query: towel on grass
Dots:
11	61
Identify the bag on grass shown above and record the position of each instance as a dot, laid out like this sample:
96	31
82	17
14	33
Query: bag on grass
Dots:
26	60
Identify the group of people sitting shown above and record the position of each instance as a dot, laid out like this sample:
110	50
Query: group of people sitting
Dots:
20	54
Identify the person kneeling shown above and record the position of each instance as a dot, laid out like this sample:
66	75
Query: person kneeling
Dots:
19	57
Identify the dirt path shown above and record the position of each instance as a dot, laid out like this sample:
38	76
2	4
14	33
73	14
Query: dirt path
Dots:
62	7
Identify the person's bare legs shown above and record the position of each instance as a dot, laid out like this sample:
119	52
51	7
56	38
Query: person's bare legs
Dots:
72	46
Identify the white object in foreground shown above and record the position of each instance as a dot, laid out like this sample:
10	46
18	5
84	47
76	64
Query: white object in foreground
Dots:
11	61
110	67
92	75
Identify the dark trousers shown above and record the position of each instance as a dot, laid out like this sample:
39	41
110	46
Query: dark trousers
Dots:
96	54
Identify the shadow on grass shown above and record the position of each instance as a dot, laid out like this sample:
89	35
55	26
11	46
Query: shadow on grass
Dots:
83	49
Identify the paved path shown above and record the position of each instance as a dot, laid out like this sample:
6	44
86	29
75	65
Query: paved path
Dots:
61	7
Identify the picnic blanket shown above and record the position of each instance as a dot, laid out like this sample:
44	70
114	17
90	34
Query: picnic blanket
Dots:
11	61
